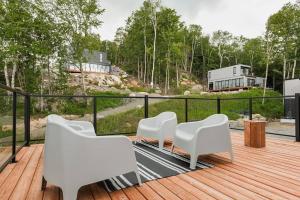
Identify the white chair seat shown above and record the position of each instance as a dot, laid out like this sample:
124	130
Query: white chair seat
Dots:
185	138
161	127
204	137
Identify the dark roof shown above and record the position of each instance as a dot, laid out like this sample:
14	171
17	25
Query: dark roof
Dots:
96	57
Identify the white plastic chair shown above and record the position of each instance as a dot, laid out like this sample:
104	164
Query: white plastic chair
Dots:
161	127
208	136
73	158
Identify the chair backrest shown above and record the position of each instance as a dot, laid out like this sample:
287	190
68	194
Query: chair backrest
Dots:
166	115
59	138
215	119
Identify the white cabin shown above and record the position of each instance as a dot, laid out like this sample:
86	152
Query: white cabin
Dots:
95	61
233	77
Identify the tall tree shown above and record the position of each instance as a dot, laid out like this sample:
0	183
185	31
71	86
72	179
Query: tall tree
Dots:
154	6
79	18
195	32
222	40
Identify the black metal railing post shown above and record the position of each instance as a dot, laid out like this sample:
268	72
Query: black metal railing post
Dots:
27	119
95	113
146	106
250	108
186	110
218	105
297	107
14	128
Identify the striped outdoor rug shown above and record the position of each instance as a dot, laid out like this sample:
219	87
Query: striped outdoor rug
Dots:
152	164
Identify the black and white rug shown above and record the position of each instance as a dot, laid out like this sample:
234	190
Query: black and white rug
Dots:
152	164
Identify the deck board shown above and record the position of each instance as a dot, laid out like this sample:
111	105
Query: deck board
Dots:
266	173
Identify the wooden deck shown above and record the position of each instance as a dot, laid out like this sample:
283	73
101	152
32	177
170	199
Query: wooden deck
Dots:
268	173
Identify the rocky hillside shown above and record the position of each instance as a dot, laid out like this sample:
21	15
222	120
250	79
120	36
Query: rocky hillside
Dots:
117	80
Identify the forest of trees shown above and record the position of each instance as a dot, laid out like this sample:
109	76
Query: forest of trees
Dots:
38	37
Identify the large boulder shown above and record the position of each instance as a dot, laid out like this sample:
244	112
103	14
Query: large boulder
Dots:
258	117
186	93
197	88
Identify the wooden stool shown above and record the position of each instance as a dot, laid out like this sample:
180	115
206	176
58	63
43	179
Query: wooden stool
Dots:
254	133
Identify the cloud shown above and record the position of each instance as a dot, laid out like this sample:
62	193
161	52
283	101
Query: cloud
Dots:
240	17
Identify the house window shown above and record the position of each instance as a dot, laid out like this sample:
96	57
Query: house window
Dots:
223	84
227	83
237	82
250	82
234	70
209	75
245	71
230	83
241	82
101	57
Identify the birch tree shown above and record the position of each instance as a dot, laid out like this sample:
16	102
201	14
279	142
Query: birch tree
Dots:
195	32
154	8
221	39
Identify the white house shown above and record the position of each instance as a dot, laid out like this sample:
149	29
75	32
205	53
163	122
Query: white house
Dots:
291	87
233	77
94	62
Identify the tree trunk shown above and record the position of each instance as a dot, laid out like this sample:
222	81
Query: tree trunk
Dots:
220	56
295	64
251	59
13	74
185	55
154	51
145	54
288	70
266	78
49	75
177	75
203	61
284	67
41	92
82	79
6	74
138	72
193	51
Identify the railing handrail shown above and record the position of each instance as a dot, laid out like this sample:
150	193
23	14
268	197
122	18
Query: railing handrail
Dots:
139	97
10	89
27	102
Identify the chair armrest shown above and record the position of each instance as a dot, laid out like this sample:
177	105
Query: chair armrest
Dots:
76	127
98	158
89	132
108	153
84	124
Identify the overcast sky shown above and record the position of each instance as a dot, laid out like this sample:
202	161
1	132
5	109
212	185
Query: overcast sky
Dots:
240	17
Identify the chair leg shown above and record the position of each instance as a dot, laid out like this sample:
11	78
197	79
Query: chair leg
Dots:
193	161
172	148
161	144
70	192
138	139
138	178
44	183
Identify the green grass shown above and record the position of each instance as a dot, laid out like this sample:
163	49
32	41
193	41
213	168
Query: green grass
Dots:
77	105
197	109
4	134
